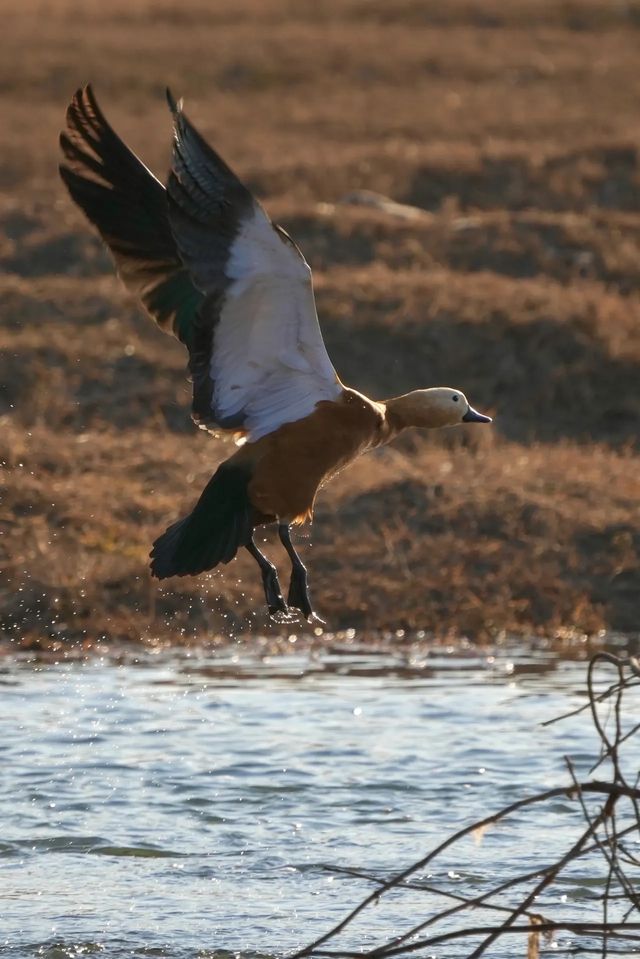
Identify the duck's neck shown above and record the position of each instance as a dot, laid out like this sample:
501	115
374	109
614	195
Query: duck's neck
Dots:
413	409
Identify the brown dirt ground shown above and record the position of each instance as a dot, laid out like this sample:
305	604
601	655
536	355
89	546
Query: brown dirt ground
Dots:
516	128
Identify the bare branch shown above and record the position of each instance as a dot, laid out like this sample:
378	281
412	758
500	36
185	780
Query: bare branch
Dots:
605	829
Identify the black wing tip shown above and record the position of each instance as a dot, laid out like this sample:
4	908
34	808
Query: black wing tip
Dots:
64	173
82	94
174	105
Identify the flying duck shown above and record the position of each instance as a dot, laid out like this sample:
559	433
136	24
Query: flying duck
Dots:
210	267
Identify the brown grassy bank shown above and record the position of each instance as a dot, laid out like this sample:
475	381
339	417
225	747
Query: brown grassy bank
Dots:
516	130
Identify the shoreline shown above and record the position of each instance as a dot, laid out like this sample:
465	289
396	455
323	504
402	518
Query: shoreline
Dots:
406	648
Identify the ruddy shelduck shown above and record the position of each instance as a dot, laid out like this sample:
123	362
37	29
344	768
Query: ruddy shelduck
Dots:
210	266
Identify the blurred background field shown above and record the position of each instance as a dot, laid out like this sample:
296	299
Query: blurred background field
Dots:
514	129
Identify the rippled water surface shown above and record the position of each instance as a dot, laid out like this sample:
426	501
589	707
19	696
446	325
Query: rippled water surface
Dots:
186	805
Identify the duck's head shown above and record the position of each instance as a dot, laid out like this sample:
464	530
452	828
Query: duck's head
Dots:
432	408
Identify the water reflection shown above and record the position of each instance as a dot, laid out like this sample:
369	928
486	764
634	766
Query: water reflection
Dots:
187	804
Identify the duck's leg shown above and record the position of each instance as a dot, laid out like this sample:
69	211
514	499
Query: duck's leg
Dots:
299	587
273	594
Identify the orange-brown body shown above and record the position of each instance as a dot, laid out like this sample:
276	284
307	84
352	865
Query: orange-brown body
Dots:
289	465
277	477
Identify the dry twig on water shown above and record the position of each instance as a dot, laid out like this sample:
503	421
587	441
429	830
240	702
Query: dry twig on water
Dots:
608	828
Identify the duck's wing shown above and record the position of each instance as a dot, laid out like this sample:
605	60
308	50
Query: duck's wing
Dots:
129	207
210	267
258	359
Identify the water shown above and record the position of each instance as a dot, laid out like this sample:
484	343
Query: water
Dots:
189	806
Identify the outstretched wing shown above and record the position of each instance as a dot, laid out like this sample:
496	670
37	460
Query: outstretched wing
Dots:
129	207
258	359
209	266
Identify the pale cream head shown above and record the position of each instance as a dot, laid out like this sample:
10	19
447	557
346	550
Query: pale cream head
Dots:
432	408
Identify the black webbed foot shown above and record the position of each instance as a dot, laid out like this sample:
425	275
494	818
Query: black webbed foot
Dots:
298	596
290	616
278	609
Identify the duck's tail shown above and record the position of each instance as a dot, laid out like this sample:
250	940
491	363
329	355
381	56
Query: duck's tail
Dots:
219	524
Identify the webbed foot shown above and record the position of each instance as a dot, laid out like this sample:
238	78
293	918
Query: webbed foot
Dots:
286	615
299	597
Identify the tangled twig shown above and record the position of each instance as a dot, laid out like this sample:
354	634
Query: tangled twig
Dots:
606	833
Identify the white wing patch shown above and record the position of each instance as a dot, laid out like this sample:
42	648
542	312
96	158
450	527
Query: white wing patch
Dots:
269	361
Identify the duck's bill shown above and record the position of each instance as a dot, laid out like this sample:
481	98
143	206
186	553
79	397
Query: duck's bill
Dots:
472	416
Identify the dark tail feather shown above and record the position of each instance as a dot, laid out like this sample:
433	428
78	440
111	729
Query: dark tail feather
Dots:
220	523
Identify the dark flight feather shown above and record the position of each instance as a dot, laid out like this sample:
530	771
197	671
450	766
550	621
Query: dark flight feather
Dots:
207	205
128	205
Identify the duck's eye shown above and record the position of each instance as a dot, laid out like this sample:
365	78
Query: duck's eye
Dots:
455	398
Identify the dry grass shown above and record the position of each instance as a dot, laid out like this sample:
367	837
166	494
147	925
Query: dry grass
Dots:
515	127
